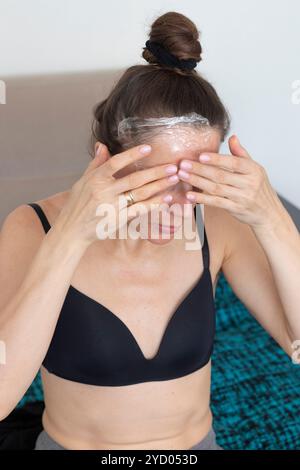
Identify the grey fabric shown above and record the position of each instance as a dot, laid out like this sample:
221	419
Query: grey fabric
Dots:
208	442
45	442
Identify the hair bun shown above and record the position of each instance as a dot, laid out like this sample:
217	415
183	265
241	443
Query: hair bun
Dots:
177	34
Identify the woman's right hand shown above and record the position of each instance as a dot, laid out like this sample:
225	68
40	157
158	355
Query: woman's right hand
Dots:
98	186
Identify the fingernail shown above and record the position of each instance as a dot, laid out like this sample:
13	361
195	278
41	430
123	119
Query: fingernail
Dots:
145	149
186	165
183	174
173	178
171	169
168	198
204	158
99	149
191	197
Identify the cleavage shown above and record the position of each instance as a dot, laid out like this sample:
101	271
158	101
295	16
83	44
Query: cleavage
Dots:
145	308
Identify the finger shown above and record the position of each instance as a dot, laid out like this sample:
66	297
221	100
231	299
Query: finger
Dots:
229	162
217	175
236	148
121	160
104	151
98	160
149	189
146	191
213	187
216	201
156	202
139	178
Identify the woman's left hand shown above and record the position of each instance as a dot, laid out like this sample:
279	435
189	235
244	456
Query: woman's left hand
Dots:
234	182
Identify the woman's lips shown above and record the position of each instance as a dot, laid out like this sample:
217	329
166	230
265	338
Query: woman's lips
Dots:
168	228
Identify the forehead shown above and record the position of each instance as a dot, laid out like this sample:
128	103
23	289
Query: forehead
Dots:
173	145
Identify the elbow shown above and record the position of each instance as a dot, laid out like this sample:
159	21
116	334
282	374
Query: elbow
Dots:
7	403
5	410
4	414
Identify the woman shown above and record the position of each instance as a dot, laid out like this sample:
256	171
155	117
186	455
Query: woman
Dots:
124	327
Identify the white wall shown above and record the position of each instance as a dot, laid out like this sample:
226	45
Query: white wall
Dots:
251	55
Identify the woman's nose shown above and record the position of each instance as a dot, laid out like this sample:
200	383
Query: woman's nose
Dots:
178	193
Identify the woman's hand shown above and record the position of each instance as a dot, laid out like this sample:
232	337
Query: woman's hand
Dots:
97	186
234	182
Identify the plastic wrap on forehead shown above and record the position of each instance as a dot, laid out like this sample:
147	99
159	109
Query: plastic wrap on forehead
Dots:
134	124
181	131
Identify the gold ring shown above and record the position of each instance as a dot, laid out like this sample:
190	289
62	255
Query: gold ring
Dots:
129	198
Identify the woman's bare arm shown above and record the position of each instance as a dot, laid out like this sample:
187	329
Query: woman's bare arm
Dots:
263	271
35	273
33	290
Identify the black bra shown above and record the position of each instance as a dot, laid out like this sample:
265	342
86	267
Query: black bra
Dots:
93	346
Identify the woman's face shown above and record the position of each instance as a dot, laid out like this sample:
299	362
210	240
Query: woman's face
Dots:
172	147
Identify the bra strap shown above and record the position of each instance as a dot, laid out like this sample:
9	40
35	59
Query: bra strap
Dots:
41	215
205	251
205	247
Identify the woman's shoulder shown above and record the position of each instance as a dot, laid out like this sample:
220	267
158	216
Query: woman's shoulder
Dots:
23	219
52	205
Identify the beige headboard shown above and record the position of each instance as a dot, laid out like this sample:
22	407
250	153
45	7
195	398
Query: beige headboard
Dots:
45	131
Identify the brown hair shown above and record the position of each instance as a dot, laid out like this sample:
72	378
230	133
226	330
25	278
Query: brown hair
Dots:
155	90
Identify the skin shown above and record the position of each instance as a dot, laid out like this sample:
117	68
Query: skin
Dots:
171	414
153	415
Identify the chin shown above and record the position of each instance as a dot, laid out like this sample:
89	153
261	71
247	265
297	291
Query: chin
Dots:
162	235
160	241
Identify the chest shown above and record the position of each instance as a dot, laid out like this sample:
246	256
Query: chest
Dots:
143	296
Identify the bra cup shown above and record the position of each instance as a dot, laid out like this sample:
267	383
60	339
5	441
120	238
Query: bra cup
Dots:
92	345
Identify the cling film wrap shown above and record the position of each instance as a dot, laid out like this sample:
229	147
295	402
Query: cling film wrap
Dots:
181	132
